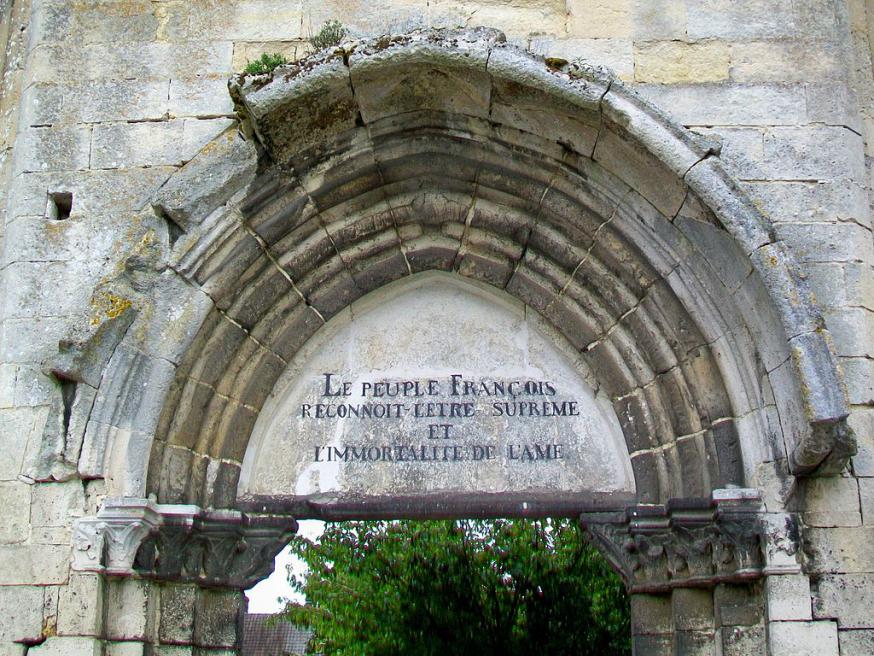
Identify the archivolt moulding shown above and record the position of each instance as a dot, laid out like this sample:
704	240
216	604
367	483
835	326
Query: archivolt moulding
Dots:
451	150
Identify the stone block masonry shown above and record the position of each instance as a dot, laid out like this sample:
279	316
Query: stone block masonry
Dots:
102	102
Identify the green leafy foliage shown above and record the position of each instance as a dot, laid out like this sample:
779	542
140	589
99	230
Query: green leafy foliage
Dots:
331	34
265	64
504	587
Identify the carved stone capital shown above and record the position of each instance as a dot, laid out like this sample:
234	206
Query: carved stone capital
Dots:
214	548
109	542
684	544
221	548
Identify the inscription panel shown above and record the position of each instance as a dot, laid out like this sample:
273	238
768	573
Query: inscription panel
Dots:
435	397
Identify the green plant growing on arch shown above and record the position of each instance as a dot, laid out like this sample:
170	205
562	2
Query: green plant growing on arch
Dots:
265	64
331	34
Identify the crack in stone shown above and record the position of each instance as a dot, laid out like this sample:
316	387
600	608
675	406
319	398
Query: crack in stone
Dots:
319	218
683	204
394	219
226	397
91	146
706	156
588	253
269	255
224	314
600	119
550	184
647	290
248	334
847	220
462	249
391	209
490	110
103	375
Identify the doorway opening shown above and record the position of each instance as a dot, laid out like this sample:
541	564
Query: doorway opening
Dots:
500	586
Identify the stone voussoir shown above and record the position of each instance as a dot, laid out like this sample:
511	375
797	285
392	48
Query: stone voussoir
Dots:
677	148
301	106
219	170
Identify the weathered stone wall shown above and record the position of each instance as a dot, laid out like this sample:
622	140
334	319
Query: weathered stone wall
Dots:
105	100
13	40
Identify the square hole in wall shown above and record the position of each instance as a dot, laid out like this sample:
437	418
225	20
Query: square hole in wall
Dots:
60	205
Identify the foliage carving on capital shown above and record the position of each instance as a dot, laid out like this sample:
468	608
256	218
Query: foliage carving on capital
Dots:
215	548
109	542
220	548
658	548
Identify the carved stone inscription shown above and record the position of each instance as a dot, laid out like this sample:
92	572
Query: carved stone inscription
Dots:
436	392
433	420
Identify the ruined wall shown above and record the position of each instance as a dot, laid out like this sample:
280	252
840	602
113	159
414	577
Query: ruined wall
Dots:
105	100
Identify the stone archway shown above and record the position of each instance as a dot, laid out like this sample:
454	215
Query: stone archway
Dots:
552	182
